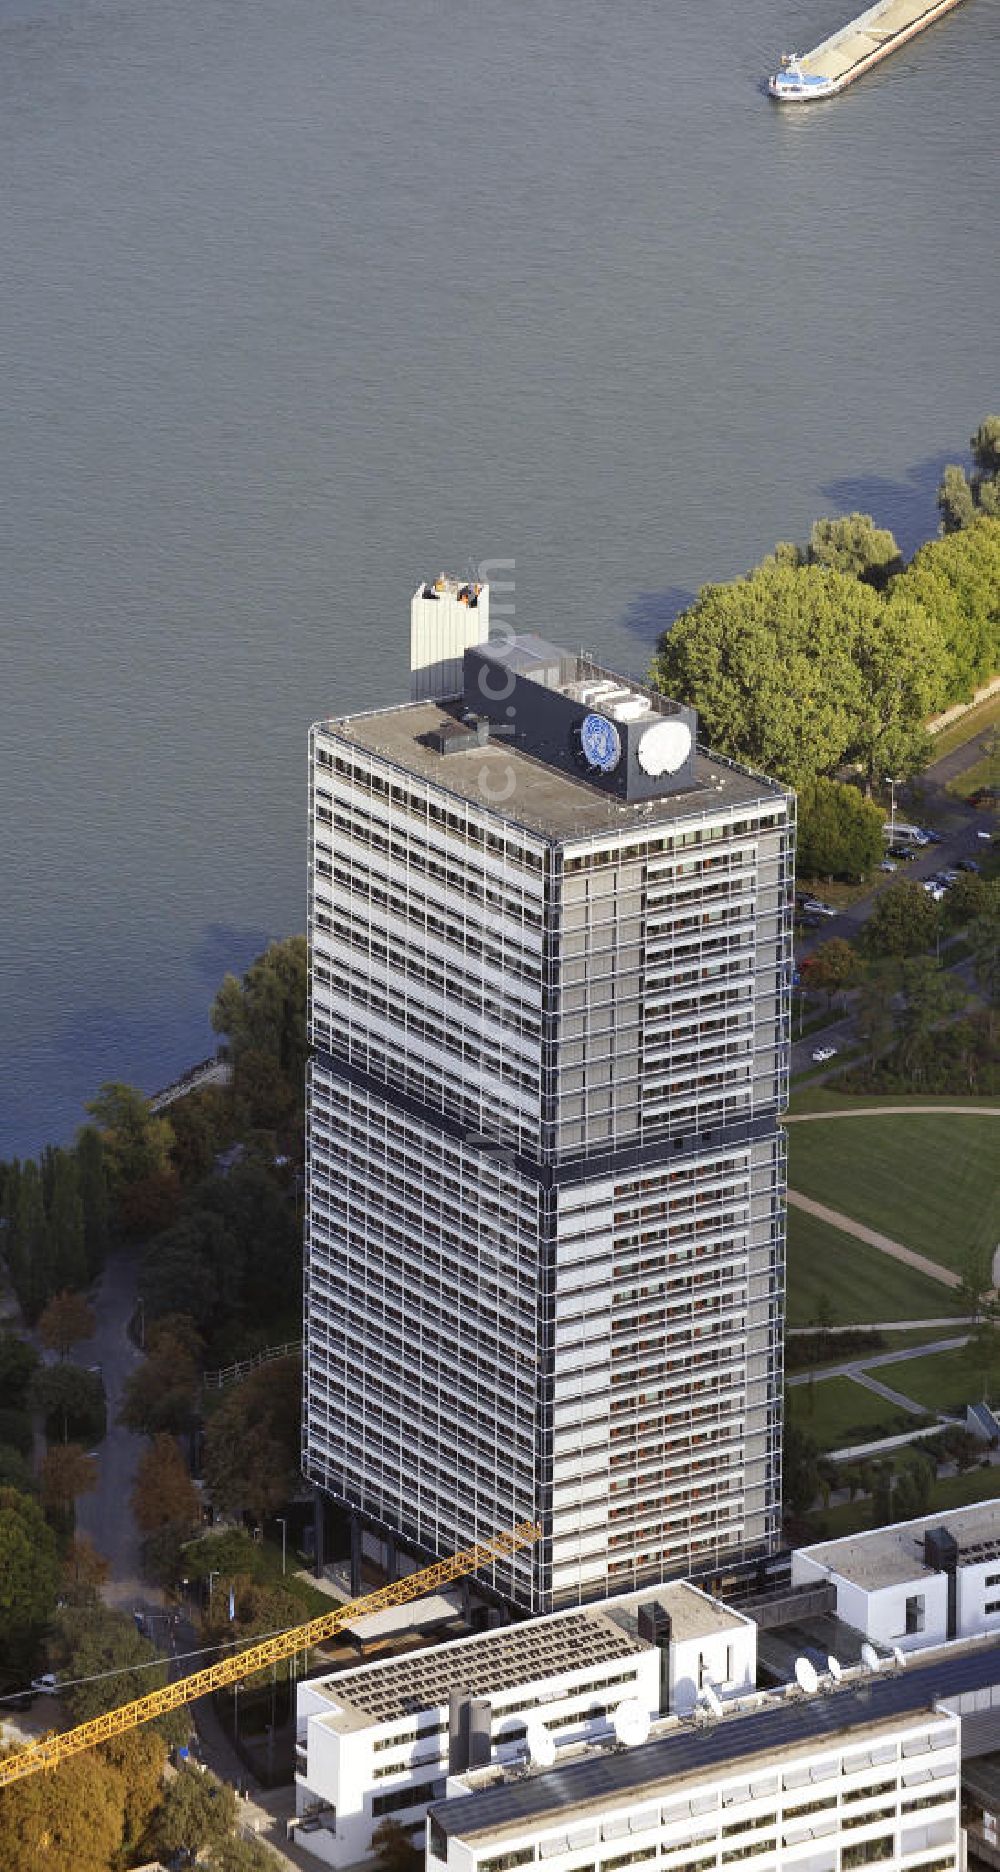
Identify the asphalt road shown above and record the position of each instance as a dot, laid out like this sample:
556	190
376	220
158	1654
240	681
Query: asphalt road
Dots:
105	1514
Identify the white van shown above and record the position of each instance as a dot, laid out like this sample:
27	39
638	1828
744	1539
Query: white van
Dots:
899	830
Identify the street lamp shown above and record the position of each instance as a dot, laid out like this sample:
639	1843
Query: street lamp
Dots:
211	1582
283	1524
892	785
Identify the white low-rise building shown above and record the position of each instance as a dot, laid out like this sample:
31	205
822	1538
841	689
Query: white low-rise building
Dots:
379	1741
867	1772
917	1583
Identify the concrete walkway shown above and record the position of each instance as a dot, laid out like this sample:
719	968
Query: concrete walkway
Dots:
858	1367
885	1243
893	1111
873	1326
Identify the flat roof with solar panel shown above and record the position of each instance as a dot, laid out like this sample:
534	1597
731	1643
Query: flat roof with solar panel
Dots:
514	1655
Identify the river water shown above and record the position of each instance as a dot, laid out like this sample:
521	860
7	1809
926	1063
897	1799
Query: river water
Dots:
304	299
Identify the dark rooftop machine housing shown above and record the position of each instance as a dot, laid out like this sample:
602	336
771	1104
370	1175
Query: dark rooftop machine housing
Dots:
607	730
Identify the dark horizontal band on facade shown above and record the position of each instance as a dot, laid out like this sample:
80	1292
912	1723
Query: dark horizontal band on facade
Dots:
586	1168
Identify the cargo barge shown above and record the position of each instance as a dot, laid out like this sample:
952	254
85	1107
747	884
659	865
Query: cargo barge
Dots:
835	63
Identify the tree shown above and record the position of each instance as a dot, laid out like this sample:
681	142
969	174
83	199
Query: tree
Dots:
914	1481
164	1392
164	1495
66	1222
969	897
800	1467
840	833
263	1017
65	1321
66	1473
904	921
18	1363
137	1143
67	1822
394	1850
29	1580
253	1439
30	1257
107	1662
960	500
957	581
800	670
855	545
930	995
766	662
194	1268
984	941
84	1571
976	1282
249	1855
832	967
198	1813
93	1184
72	1402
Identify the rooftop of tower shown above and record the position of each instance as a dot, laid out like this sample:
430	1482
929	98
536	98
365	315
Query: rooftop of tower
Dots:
515	785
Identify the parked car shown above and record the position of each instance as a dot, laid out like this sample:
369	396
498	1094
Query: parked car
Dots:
816	907
947	877
968	864
822	1054
906	852
889	864
934	889
48	1685
929	836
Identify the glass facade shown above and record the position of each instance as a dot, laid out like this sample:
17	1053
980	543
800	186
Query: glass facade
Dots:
544	1251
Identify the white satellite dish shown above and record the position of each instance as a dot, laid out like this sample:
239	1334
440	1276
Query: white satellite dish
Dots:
835	1668
869	1657
541	1747
899	1657
631	1723
712	1701
805	1676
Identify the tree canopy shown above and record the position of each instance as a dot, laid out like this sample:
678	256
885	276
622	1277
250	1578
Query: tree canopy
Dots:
72	1402
263	1018
904	921
956	580
855	545
29	1580
797	670
961	499
252	1440
839	832
65	1321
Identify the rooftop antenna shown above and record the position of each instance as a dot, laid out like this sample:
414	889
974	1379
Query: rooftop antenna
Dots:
835	1669
712	1701
898	1657
869	1657
630	1723
805	1676
541	1747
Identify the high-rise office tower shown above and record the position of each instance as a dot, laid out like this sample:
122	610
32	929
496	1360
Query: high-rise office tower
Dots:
550	976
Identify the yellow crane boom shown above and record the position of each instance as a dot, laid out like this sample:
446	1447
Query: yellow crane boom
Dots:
53	1749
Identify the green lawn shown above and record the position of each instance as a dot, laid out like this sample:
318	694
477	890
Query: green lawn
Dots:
825	1099
946	1381
926	1179
953	1492
857	1284
968	727
838	1412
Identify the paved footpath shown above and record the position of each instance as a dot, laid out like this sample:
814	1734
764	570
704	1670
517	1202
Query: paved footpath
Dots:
951	1319
893	1111
874	1239
868	1361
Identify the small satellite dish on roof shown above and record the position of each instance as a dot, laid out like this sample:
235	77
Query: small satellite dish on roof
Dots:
898	1657
869	1657
541	1748
712	1701
805	1676
631	1723
835	1668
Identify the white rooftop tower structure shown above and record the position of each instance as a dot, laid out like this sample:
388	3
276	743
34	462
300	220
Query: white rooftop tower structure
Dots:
447	617
550	946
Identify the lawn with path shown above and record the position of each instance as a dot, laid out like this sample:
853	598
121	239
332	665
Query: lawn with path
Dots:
941	1381
832	1275
927	1179
837	1412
